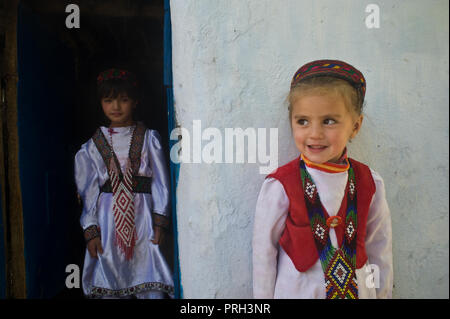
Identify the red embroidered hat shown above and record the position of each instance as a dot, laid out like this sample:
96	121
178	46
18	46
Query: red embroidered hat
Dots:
116	74
334	68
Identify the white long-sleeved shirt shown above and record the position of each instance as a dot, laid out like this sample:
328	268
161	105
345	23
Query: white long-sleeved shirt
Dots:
274	274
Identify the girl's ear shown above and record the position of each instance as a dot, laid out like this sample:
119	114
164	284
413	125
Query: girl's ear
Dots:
357	126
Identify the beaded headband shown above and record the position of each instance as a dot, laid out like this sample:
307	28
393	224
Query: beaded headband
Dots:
116	74
333	68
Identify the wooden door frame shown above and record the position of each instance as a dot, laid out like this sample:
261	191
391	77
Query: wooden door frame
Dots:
9	155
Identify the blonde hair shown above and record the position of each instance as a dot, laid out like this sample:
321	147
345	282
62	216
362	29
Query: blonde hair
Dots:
327	85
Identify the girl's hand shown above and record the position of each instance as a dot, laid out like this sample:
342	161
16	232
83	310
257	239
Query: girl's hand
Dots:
158	235
94	247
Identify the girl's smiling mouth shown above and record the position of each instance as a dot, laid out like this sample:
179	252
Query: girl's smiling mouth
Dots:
316	148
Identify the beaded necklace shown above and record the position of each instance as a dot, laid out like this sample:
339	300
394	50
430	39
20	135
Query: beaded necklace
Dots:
339	264
123	200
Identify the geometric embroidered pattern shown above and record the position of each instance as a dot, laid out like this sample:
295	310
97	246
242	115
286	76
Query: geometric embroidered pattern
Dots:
338	265
310	190
135	151
339	277
350	230
97	292
351	184
352	187
123	210
91	232
320	230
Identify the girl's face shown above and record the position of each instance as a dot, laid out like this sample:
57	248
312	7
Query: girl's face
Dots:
322	125
119	110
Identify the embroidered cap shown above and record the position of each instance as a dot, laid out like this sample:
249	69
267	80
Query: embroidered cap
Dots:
333	68
116	74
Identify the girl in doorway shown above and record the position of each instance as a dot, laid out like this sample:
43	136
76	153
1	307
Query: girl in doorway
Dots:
322	224
122	180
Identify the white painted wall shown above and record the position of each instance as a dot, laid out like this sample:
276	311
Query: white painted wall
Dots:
232	65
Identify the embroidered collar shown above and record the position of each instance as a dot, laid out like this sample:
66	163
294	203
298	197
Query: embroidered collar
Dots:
134	153
328	166
117	129
111	131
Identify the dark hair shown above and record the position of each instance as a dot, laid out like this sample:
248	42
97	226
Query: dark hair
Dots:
114	87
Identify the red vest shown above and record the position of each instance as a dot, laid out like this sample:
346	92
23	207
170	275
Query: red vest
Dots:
297	238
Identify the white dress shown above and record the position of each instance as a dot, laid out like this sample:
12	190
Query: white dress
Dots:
274	274
147	274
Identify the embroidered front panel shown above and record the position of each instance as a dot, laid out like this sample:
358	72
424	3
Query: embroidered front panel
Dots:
123	185
338	265
123	209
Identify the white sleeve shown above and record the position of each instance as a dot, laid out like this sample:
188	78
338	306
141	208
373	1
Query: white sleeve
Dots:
379	240
270	216
160	179
86	179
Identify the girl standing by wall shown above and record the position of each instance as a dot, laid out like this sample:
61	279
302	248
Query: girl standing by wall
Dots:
123	182
322	225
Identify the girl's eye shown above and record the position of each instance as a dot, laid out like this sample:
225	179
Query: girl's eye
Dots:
302	122
329	121
107	100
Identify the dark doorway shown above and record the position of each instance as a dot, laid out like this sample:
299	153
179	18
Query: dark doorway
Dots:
58	111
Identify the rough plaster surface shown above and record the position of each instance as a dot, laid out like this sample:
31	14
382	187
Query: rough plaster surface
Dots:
232	64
